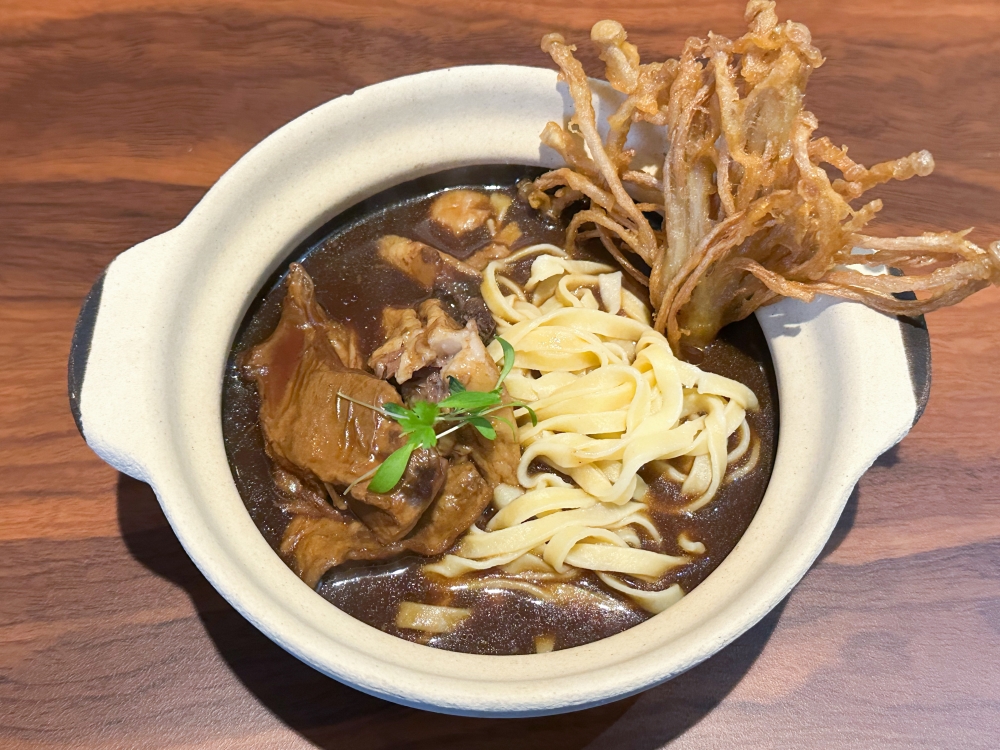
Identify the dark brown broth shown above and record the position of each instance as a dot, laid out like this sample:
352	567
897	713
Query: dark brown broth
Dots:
354	285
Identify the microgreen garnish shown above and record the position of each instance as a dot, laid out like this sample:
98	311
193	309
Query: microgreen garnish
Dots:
419	421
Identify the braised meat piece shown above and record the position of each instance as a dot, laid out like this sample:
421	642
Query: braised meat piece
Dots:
461	211
467	303
298	373
391	516
429	337
415	259
423	263
484	256
452	281
415	339
496	459
302	497
322	440
464	498
426	337
314	545
425	385
312	432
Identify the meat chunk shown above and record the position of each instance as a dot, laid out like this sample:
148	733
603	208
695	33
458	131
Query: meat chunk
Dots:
312	431
333	438
425	385
451	280
431	338
484	256
322	439
461	211
416	339
496	459
422	263
468	360
301	497
392	516
464	498
314	544
415	259
303	327
406	349
299	374
468	304
311	546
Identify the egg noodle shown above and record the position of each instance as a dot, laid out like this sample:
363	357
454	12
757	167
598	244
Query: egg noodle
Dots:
611	398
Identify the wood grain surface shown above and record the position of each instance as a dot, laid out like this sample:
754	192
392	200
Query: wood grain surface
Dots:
117	115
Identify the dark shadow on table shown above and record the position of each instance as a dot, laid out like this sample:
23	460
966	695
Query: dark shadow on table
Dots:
332	715
844	525
846	522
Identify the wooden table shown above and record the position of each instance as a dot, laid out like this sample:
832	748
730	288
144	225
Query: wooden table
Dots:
117	115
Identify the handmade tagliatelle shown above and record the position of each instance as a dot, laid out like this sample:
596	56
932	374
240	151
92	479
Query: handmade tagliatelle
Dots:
610	398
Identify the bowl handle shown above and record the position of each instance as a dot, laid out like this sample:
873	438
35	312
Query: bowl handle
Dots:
115	362
917	345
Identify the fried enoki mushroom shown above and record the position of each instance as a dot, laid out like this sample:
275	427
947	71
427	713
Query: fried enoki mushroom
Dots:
749	213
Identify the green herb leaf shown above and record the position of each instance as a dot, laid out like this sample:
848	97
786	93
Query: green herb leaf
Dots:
485	428
421	416
410	423
508	360
391	470
423	437
395	410
470	400
426	413
462	407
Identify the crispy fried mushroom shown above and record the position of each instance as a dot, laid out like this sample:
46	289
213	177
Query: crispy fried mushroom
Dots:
750	214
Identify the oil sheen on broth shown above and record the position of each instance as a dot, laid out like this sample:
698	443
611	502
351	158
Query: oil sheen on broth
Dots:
353	284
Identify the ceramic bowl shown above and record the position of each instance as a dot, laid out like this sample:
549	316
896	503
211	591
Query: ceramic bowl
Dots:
152	340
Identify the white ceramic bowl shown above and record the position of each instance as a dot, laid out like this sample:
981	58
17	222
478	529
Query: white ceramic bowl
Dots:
152	341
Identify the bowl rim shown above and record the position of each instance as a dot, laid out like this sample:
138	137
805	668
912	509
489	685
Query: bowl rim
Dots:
149	414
